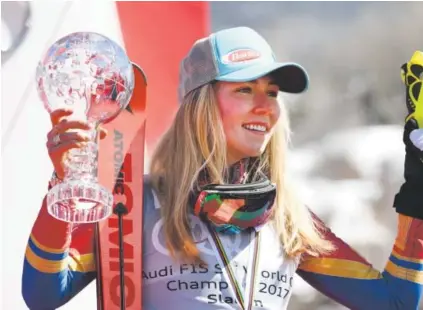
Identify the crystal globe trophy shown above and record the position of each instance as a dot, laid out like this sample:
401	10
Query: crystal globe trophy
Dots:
91	75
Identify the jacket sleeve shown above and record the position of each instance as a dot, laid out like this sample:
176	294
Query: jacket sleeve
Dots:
59	262
350	280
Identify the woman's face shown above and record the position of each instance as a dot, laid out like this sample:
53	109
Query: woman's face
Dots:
249	112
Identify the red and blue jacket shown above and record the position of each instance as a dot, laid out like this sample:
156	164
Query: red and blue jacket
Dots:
59	262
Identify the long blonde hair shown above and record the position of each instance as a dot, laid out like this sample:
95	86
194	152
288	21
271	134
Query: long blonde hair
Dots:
196	140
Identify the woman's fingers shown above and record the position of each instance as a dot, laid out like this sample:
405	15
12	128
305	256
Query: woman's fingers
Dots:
60	138
57	115
61	124
66	125
62	148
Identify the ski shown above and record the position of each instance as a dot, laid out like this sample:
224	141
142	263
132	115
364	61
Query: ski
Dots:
119	238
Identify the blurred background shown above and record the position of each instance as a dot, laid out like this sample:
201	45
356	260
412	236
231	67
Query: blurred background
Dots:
347	153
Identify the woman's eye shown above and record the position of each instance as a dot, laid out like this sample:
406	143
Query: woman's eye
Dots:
245	90
273	93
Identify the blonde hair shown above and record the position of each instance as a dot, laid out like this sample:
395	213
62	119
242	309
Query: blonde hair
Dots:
196	140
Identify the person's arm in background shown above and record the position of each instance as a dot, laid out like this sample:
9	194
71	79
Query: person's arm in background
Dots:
349	279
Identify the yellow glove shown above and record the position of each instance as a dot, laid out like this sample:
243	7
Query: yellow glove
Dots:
408	200
412	76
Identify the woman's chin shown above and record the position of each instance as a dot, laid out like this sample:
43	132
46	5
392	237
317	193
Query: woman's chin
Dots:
247	151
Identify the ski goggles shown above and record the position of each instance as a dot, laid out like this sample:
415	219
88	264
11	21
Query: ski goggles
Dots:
232	208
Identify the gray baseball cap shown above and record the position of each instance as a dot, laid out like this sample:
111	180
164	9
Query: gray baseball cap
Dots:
237	55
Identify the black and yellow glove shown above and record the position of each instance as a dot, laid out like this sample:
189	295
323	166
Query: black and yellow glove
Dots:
409	200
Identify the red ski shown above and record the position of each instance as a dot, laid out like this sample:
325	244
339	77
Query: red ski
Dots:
119	238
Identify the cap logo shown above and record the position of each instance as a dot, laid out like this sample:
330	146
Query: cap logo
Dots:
240	56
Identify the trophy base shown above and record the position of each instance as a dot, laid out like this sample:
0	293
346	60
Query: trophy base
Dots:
79	202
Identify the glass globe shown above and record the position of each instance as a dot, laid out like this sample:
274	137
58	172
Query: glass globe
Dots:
88	73
91	75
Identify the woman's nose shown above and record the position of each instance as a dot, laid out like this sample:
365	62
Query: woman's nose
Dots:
264	105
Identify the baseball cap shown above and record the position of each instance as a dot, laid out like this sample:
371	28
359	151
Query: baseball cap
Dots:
237	54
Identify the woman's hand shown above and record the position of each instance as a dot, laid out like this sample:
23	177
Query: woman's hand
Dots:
412	77
409	200
67	134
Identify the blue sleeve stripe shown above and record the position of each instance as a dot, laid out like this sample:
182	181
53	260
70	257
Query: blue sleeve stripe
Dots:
46	255
406	264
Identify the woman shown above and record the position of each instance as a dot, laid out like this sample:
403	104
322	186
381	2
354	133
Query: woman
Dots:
203	251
